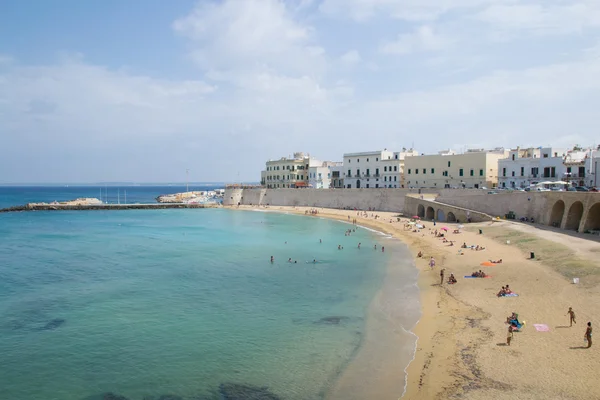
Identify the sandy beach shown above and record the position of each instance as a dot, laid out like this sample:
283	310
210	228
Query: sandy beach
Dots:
461	349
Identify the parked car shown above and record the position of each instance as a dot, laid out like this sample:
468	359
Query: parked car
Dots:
594	189
571	189
582	189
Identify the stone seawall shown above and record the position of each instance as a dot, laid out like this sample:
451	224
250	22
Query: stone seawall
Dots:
362	199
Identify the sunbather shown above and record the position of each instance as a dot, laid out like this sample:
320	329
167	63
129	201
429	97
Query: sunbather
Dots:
452	279
496	262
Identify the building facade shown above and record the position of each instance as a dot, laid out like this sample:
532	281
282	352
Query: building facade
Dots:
320	177
288	172
526	167
476	168
375	169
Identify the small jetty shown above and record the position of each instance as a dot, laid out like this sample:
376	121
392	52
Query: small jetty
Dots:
85	207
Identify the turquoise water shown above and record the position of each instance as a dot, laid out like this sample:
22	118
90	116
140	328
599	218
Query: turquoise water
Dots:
148	303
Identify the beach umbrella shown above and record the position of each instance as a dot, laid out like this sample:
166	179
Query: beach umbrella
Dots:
416	217
419	226
444	228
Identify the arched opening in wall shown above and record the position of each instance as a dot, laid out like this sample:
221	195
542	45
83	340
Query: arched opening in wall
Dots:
451	217
440	215
574	216
592	221
421	211
430	214
556	216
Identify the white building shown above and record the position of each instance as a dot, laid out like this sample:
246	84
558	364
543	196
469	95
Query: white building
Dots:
526	167
596	167
375	169
337	176
476	168
320	176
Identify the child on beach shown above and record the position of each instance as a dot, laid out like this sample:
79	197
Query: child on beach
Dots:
432	263
588	334
510	335
571	315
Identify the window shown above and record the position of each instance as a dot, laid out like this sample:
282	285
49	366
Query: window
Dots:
433	170
471	172
545	155
396	156
377	159
367	160
448	164
384	169
503	171
358	172
480	172
394	178
522	171
367	185
513	157
358	160
377	185
513	173
385	178
368	172
349	161
376	171
460	172
424	170
409	171
349	186
416	171
395	168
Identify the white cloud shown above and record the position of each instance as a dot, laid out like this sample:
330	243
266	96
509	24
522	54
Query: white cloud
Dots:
250	35
352	57
410	10
542	18
422	40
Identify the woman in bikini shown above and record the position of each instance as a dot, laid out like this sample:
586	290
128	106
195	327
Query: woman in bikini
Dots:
588	334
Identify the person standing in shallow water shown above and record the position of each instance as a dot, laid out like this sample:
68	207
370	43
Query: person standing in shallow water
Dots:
588	334
571	315
272	259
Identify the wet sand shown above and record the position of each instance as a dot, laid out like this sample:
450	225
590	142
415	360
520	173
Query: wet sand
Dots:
461	350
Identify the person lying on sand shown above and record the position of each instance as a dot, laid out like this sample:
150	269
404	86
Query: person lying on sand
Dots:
502	292
479	274
496	262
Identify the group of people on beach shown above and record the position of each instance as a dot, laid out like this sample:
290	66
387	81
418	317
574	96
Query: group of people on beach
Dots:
505	291
479	274
587	336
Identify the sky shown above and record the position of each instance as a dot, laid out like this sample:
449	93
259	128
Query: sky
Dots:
143	90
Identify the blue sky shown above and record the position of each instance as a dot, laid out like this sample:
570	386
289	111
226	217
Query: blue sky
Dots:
143	90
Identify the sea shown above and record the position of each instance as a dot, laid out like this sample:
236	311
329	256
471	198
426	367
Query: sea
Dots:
186	304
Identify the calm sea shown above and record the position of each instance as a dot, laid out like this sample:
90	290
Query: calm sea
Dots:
149	303
18	195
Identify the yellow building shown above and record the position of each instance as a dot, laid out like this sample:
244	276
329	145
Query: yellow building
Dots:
288	172
476	168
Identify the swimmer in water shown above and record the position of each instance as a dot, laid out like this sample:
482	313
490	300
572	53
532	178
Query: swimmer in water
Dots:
382	249
290	260
359	245
375	247
272	259
314	261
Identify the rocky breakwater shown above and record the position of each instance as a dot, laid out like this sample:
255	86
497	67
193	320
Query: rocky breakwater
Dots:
191	197
95	204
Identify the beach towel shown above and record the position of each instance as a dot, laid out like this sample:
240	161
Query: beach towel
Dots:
541	327
510	295
469	276
488	264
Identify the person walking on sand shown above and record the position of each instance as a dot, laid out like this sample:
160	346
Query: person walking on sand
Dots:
432	263
588	335
442	276
571	315
510	335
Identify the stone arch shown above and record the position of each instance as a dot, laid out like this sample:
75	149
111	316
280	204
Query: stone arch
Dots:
440	215
451	217
558	211
421	211
592	221
430	214
574	216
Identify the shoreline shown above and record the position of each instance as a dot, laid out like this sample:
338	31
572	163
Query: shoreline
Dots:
461	335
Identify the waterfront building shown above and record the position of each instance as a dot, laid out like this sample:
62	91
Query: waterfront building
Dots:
320	176
375	169
526	167
288	172
596	167
337	176
476	168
